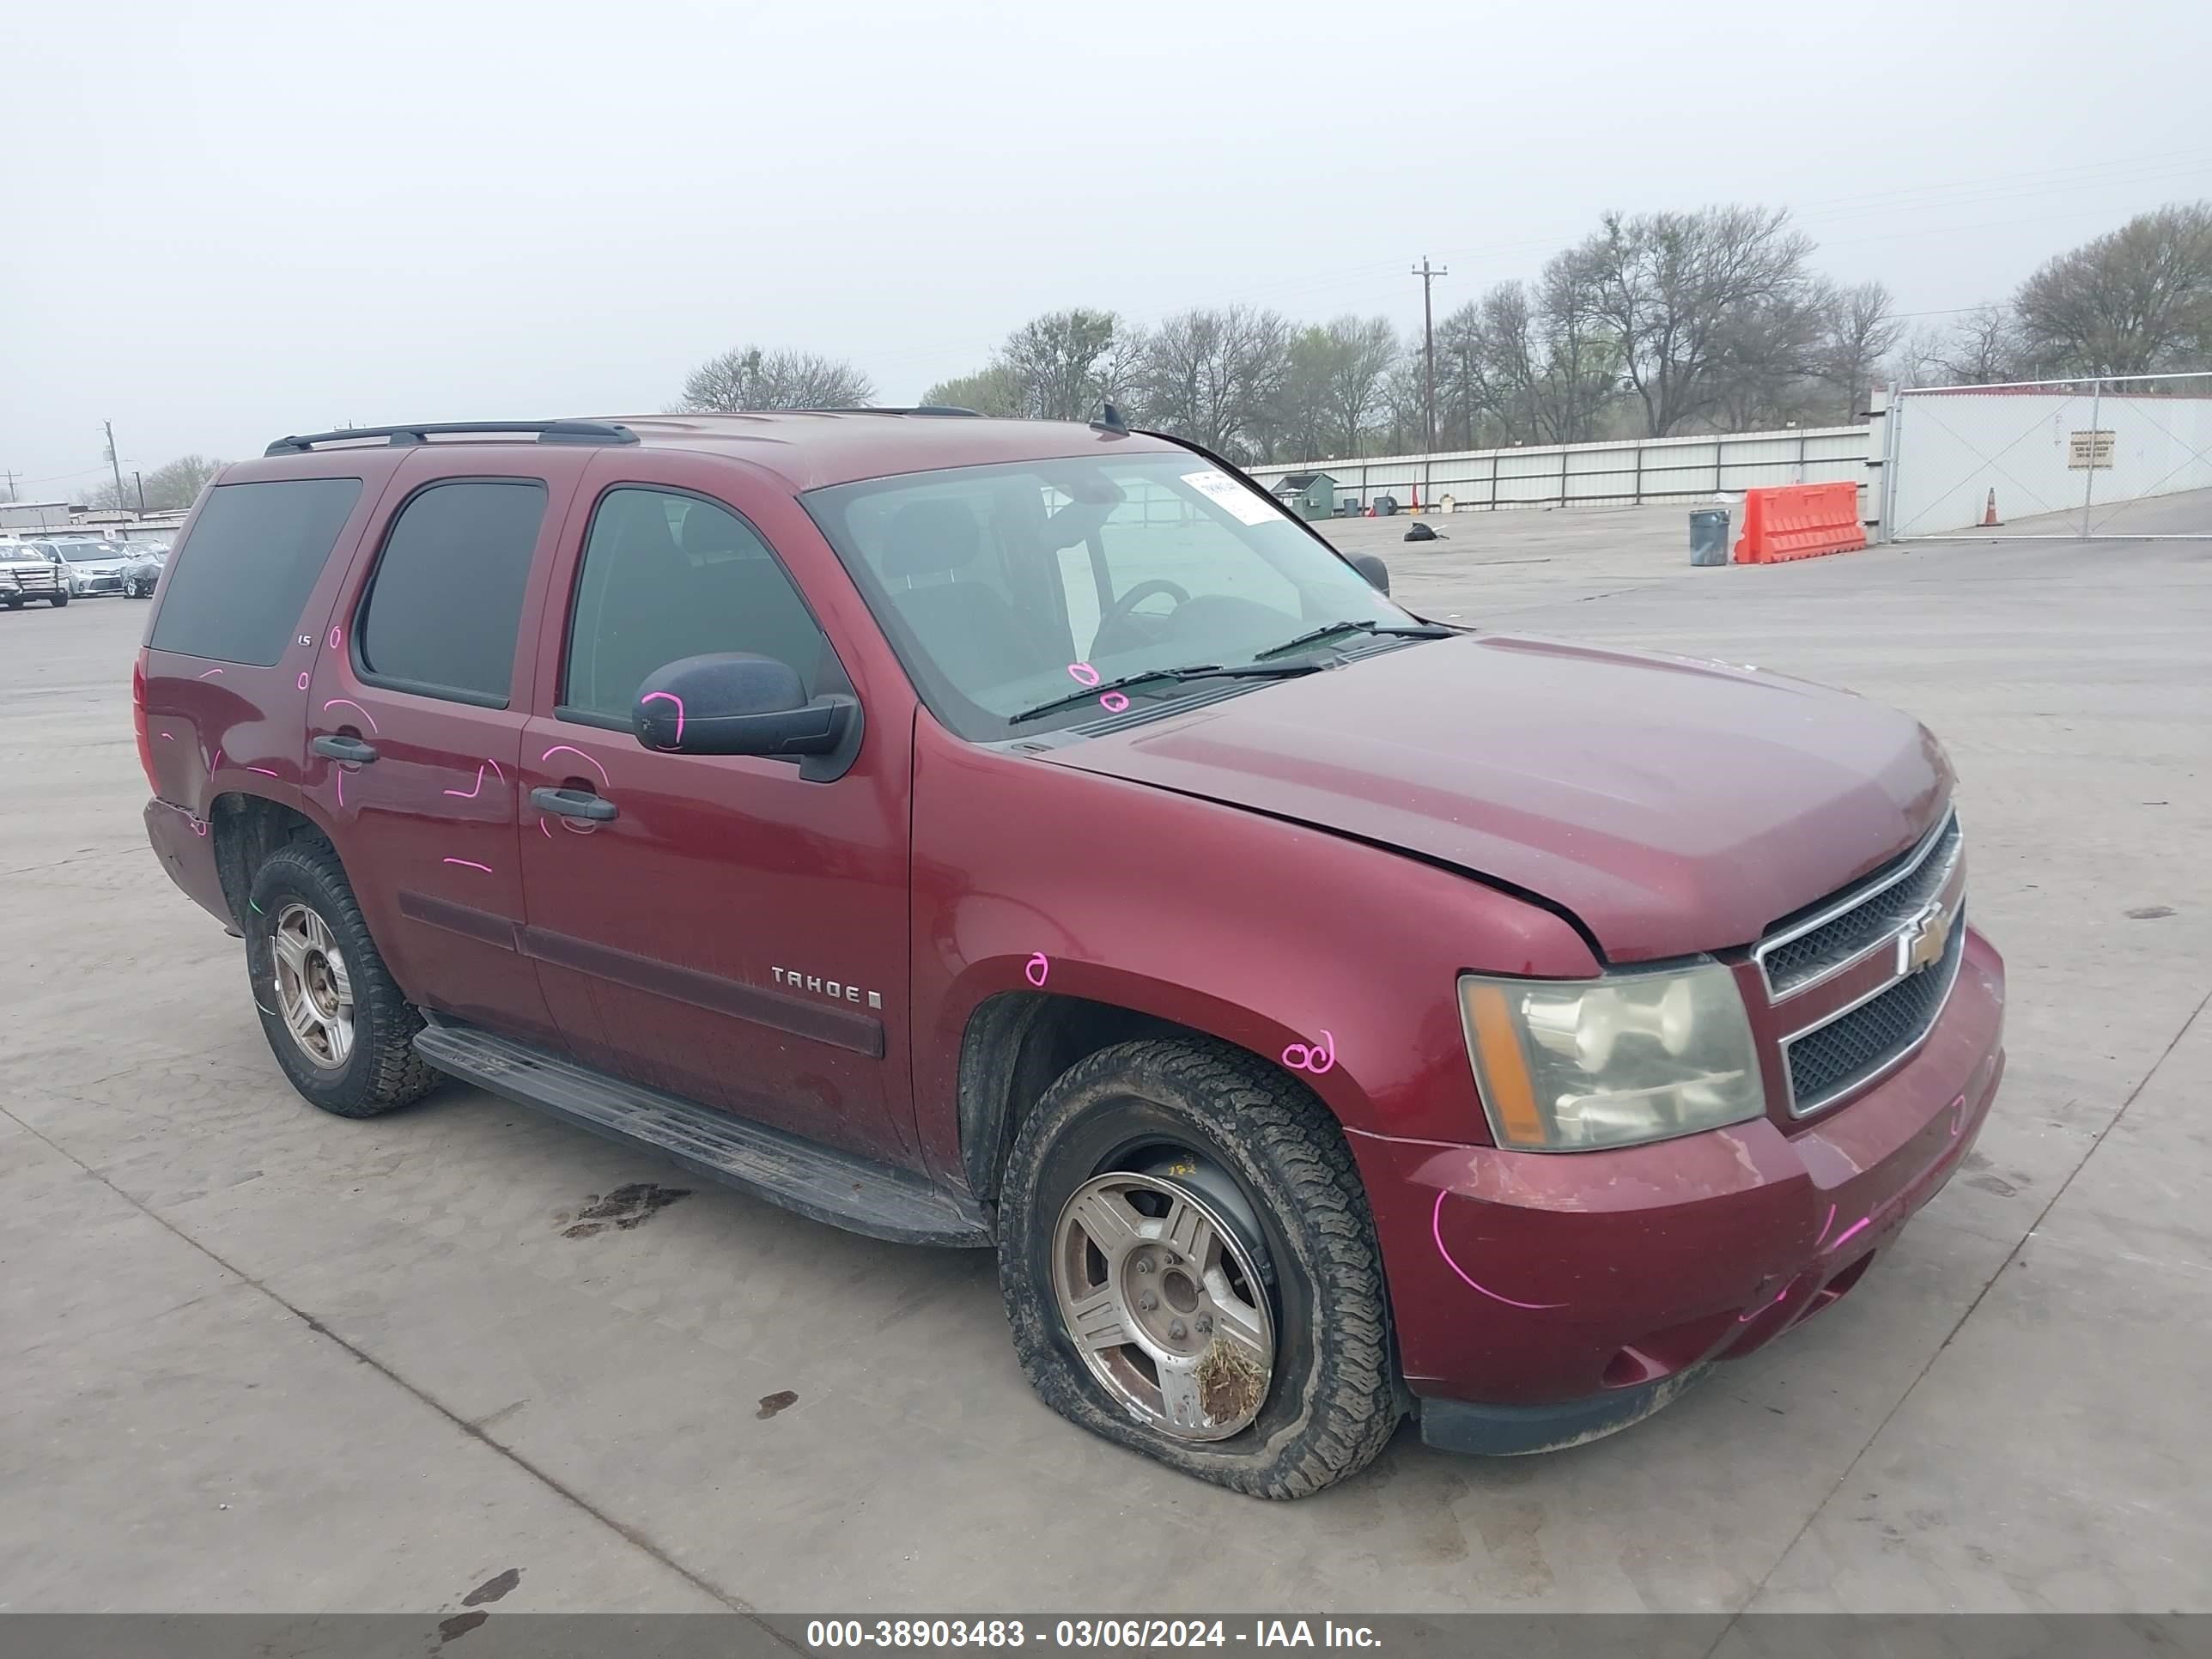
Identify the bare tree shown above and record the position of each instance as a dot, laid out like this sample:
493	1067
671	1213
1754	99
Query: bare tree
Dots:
1676	292
1982	348
176	485
1060	360
2136	301
746	377
1214	376
1860	329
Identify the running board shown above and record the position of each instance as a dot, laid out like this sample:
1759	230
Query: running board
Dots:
856	1193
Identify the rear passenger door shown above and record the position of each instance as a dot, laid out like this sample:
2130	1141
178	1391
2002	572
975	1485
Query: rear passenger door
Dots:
414	723
734	932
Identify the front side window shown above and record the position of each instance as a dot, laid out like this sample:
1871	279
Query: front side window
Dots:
667	575
1004	587
447	597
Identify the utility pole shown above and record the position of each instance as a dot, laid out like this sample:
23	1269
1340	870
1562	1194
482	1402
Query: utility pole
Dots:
141	483
114	464
11	483
1429	342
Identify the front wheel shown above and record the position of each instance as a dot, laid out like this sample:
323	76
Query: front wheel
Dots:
1190	1268
59	600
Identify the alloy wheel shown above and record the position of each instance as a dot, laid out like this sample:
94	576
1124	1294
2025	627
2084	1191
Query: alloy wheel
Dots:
314	994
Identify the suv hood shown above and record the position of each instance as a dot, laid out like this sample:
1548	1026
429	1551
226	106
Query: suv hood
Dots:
1671	805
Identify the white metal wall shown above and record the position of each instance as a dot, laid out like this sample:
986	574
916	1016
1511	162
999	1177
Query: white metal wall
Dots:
1954	446
1624	472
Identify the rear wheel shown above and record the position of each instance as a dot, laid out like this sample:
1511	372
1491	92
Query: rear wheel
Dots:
334	1020
58	600
1190	1268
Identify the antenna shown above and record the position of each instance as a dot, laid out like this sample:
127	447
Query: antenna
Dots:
1109	421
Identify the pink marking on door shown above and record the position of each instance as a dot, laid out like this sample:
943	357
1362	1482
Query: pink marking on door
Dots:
571	749
339	774
263	770
1035	969
669	697
303	679
335	636
468	864
470	794
1437	1232
544	829
349	703
1113	702
169	737
211	674
1083	672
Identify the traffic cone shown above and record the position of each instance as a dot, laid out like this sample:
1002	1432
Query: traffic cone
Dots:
1989	520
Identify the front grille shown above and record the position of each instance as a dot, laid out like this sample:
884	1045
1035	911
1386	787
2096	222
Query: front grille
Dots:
1837	938
1861	1045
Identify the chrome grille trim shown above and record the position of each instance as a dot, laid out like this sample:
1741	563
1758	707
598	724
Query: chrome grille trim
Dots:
1920	1019
1864	919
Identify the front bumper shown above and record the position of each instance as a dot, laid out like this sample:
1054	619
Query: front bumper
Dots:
1546	1298
110	583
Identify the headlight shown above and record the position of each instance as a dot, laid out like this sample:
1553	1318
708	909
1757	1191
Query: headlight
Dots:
1567	1065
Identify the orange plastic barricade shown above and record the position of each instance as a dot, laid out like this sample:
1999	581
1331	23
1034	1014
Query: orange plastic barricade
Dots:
1799	521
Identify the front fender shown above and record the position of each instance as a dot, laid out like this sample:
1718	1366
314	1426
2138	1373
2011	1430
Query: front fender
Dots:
1262	933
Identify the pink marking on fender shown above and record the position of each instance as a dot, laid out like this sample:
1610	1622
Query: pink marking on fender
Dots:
335	636
1035	969
470	794
1437	1232
468	864
1113	702
570	749
169	737
669	697
200	827
339	774
1852	1231
1746	1318
1825	1225
1316	1057
1083	673
263	770
210	675
303	679
349	703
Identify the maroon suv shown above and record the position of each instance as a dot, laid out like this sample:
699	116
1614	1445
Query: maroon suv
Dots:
1029	836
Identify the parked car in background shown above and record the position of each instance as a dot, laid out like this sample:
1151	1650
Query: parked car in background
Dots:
142	569
28	573
95	566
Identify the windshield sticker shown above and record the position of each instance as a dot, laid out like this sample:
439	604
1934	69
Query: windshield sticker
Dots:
1233	498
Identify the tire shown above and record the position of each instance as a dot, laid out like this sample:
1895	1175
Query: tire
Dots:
58	600
1270	1163
13	604
298	886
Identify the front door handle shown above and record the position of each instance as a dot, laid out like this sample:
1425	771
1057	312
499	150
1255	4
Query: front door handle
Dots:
573	803
346	748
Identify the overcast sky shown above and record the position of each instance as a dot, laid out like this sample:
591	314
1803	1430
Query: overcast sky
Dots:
229	222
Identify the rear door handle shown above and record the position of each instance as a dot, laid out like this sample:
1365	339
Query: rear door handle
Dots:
573	803
346	748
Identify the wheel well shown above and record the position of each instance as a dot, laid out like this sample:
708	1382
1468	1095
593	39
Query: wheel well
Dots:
246	829
1016	1045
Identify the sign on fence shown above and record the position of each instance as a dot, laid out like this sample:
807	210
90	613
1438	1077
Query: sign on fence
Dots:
2085	450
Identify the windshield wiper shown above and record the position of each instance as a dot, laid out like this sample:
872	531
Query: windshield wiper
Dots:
1199	671
1368	625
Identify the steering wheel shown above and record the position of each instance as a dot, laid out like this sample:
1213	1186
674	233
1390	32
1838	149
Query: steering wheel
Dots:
1119	616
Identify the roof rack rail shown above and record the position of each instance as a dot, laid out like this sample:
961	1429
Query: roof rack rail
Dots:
549	432
888	408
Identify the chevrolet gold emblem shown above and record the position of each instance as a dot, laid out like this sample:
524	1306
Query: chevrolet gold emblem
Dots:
1921	945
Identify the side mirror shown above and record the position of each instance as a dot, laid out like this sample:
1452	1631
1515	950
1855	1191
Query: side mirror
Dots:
1376	571
734	702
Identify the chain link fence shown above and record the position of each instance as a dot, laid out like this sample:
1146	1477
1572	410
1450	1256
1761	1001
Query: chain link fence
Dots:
2051	460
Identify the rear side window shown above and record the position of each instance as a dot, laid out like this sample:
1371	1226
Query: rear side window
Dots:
249	565
447	597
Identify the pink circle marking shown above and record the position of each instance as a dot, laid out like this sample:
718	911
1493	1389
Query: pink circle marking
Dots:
1437	1232
1316	1058
334	637
303	679
1113	702
1083	672
1035	969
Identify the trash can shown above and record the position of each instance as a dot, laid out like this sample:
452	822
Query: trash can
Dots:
1385	505
1709	536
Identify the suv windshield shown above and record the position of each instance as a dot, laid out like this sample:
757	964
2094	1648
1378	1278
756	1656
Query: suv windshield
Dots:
1003	588
79	552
